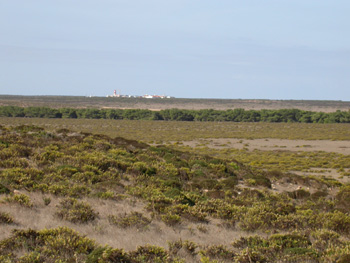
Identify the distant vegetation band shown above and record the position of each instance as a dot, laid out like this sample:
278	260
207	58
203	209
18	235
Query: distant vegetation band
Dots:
235	115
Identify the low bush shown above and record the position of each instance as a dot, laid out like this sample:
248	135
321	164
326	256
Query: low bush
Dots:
343	198
194	214
20	199
150	254
299	194
4	189
220	252
72	210
108	254
47	200
187	245
171	219
48	245
6	218
134	219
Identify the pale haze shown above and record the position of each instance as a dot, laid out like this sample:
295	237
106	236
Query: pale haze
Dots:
272	49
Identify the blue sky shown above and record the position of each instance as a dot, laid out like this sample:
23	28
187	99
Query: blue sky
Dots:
252	49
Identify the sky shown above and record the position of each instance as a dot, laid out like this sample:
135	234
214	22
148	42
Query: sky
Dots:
252	49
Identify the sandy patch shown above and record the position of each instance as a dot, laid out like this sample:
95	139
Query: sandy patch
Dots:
157	233
342	147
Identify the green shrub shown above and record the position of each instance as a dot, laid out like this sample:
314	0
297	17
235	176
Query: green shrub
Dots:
175	247
257	217
171	219
58	189
134	219
20	199
74	211
5	218
21	177
287	222
159	203
323	239
188	246
287	241
247	256
32	257
258	179
48	245
195	214
250	242
336	221
107	254
343	199
218	252
4	189
344	259
150	254
202	228
78	191
47	200
299	194
229	183
318	194
295	246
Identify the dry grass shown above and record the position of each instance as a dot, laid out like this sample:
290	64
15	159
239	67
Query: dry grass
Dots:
157	233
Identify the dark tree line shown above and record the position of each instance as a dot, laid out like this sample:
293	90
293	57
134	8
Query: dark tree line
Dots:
235	115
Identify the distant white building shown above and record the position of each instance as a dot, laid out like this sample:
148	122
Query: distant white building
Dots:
118	95
156	97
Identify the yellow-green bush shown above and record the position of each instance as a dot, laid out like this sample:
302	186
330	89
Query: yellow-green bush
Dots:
133	219
72	210
20	199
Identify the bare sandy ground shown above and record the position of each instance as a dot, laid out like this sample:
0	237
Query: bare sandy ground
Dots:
157	233
342	147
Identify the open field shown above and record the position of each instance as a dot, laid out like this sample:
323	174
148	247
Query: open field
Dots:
161	104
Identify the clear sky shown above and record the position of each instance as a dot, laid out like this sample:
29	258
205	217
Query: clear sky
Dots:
251	49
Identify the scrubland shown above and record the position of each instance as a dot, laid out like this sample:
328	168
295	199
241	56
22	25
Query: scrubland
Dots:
142	191
179	103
